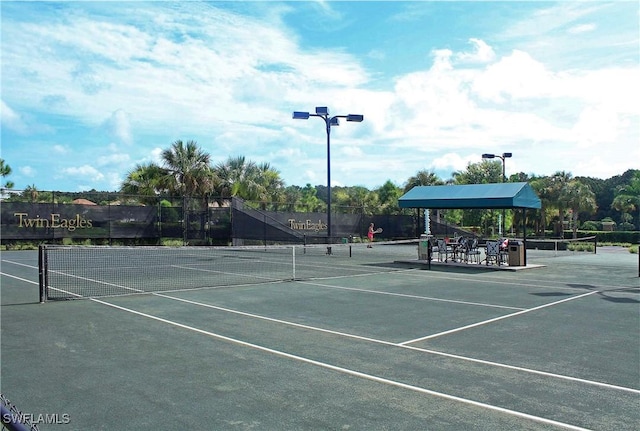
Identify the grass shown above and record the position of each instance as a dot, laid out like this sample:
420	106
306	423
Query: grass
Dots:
581	246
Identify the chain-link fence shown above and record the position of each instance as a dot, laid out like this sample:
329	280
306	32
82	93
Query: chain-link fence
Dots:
112	218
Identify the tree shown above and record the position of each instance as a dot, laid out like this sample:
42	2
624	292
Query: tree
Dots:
388	196
578	197
246	179
557	184
188	169
31	193
627	197
484	172
423	178
542	187
146	179
271	186
356	198
309	199
237	178
5	171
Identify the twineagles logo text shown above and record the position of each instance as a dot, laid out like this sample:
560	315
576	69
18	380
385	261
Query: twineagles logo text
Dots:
54	221
307	225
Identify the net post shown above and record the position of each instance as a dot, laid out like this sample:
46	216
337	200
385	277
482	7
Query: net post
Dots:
293	272
595	244
42	273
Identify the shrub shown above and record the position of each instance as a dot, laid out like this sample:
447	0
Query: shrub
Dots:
581	246
591	225
626	226
170	242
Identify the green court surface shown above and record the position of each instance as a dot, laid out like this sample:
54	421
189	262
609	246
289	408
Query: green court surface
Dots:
397	347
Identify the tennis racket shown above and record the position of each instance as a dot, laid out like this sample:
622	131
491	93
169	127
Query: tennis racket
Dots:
379	230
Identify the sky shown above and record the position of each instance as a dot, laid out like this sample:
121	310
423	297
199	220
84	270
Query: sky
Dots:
90	90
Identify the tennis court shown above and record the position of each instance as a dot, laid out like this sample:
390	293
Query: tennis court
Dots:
356	344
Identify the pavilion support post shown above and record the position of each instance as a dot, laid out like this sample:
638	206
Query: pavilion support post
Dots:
524	234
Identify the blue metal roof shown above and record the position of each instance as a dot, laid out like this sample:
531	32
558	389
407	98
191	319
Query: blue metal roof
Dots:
481	196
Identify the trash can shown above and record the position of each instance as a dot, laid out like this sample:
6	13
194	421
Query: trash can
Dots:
423	247
516	253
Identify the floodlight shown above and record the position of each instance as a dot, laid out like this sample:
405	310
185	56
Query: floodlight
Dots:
297	115
488	156
355	117
322	110
506	155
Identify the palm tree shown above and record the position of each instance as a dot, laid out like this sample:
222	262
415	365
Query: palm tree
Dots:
542	187
627	198
147	180
579	198
423	178
237	178
188	168
271	185
31	192
5	171
558	182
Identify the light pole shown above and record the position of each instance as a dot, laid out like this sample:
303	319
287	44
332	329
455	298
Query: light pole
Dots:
323	112
504	178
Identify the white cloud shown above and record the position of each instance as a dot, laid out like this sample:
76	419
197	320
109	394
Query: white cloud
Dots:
118	125
113	159
581	28
156	155
515	76
85	171
11	119
452	162
27	171
482	53
60	149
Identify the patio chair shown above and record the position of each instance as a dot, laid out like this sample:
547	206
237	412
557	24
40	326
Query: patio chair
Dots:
493	253
462	249
473	253
443	250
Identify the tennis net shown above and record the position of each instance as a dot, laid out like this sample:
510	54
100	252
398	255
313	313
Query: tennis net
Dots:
68	272
561	247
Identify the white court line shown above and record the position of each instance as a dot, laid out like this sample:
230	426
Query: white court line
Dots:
350	372
463	328
38	284
18	278
388	343
411	296
18	263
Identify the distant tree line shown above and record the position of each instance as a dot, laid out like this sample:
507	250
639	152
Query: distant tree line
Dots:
186	171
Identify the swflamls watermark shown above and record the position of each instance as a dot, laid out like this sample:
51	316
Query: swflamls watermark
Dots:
36	419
